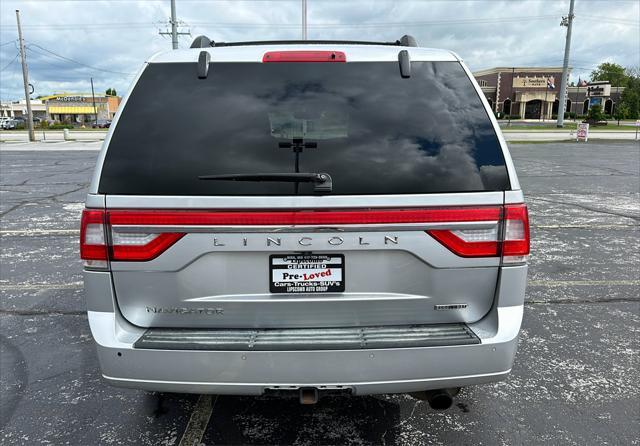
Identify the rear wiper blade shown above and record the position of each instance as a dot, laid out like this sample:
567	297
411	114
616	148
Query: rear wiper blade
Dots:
322	181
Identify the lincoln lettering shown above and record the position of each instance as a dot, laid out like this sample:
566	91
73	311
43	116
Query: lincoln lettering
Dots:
250	242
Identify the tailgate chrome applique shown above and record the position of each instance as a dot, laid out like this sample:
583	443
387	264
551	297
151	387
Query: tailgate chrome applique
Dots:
349	338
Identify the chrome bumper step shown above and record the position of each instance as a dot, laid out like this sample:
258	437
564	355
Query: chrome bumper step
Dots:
353	338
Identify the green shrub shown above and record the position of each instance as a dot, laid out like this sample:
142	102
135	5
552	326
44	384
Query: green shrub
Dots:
60	126
595	113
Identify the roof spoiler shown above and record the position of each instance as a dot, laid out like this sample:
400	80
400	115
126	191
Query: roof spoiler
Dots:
202	42
205	42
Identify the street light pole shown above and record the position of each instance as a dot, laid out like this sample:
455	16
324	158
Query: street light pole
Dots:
304	19
568	22
25	78
174	26
95	110
174	33
513	69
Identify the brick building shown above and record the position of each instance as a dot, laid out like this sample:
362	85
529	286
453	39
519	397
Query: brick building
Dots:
533	92
80	107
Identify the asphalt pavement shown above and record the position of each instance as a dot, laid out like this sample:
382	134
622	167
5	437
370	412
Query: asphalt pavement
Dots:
551	134
575	379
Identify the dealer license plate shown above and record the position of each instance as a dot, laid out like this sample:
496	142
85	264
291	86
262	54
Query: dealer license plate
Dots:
306	273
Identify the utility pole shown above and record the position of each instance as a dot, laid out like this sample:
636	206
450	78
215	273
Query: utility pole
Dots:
568	22
95	110
174	33
25	78
513	70
304	19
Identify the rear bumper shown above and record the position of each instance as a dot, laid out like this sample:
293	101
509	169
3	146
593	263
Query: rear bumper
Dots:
363	371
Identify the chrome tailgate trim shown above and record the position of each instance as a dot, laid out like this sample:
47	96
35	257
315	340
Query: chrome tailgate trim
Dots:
351	338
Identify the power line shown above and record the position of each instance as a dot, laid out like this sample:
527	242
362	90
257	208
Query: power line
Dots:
33	51
617	20
296	25
76	62
9	64
63	26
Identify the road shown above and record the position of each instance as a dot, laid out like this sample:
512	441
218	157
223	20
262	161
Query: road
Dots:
57	136
575	379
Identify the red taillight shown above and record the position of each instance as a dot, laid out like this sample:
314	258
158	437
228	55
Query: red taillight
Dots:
291	218
304	56
465	248
141	247
137	235
516	233
129	246
512	243
93	246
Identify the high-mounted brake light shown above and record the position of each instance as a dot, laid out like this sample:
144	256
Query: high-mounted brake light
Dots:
304	56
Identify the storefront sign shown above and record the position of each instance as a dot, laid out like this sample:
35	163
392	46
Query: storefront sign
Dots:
70	99
583	132
531	82
599	90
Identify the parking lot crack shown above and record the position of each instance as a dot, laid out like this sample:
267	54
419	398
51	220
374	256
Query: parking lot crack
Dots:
43	312
588	208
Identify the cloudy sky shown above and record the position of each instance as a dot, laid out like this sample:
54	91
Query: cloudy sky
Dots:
68	42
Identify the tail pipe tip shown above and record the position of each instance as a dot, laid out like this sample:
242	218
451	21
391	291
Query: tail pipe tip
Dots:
308	395
438	399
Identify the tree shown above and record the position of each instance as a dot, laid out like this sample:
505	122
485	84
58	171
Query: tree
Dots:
111	92
616	74
630	97
629	78
621	112
595	113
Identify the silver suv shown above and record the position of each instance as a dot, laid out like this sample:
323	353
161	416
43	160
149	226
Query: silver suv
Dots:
305	217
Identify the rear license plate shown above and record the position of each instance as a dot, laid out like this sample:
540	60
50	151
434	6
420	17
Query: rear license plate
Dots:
306	273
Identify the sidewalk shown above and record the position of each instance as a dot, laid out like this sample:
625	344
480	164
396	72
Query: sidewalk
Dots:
53	135
562	134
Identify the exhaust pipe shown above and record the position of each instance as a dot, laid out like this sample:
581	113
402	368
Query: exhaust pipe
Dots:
308	395
438	399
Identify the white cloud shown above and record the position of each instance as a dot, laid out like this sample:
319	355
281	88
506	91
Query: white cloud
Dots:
119	35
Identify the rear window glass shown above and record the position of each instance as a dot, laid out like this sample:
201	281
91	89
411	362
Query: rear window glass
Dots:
372	131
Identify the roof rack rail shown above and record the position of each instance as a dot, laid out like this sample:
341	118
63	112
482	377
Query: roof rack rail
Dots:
204	42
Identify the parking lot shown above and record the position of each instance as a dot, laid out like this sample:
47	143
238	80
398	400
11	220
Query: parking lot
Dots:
575	379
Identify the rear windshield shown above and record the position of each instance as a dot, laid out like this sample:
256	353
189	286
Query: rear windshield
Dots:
371	130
